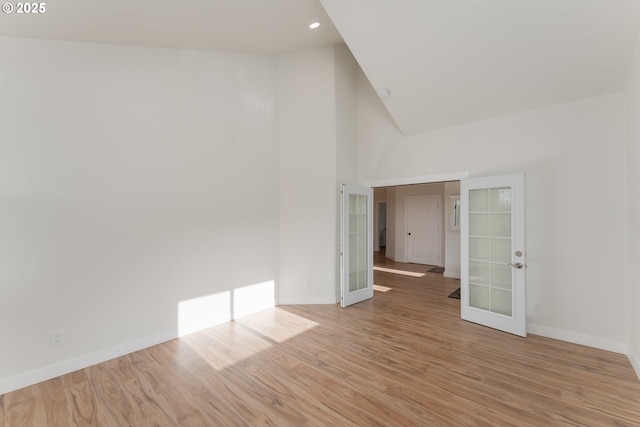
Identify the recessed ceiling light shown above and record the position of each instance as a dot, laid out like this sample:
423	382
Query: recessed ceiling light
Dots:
314	25
384	93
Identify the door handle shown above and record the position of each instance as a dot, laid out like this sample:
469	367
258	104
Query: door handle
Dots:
517	265
408	234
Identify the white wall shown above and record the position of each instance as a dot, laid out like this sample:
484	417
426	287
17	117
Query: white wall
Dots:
573	156
379	197
316	132
390	251
452	238
131	180
346	73
633	210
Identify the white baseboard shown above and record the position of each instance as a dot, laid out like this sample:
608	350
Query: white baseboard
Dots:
308	300
52	371
578	338
635	363
455	274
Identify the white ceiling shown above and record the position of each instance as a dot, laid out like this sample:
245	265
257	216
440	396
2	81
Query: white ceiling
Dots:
245	26
448	62
445	62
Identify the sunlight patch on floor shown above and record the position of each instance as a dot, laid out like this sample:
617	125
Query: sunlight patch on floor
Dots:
234	341
381	288
277	324
225	345
403	272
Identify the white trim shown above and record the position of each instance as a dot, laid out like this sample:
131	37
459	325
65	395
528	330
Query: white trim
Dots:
578	338
450	213
308	300
52	371
425	179
453	274
633	359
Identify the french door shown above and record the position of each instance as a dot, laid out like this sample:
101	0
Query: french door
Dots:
356	260
493	255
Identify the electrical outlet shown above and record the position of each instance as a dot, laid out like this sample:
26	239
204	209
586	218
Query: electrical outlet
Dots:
539	307
307	283
56	338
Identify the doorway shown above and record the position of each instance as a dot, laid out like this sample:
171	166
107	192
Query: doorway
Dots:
441	241
358	202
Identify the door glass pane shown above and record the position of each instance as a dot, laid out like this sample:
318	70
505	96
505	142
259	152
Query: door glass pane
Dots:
353	266
500	199
479	224
490	250
362	280
353	241
500	250
479	297
362	205
479	248
362	224
501	276
353	282
479	272
500	224
358	249
501	301
479	200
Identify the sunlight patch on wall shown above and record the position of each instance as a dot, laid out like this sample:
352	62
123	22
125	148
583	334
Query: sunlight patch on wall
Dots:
206	311
253	298
203	312
403	272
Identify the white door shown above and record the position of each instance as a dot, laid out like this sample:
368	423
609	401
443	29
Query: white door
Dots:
356	261
493	254
423	229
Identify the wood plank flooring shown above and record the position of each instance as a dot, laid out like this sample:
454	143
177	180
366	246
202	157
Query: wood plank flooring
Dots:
402	358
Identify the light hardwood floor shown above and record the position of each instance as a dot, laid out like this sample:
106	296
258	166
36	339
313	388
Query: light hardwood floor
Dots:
403	358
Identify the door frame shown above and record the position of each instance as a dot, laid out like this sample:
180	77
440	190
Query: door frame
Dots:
423	179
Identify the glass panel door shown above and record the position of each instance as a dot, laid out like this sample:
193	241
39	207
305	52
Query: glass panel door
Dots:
492	226
489	249
356	246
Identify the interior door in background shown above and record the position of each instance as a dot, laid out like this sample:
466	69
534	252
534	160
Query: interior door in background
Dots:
423	219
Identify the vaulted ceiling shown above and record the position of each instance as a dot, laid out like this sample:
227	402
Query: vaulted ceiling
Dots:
448	62
444	62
